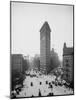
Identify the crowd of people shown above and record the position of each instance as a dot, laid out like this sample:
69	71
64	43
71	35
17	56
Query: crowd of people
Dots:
37	85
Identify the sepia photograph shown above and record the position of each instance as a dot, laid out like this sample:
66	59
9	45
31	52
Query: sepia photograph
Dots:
41	49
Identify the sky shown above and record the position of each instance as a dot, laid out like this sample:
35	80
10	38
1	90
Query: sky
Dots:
27	20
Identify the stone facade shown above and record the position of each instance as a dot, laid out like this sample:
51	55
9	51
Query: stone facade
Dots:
45	48
68	63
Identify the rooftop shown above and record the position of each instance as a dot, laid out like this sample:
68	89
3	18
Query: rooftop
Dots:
68	51
45	26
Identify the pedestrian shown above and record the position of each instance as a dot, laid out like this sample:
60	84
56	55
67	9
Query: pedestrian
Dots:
40	83
51	86
52	94
31	84
46	82
17	91
32	96
39	93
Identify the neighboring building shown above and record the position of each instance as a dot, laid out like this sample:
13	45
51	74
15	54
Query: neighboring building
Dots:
17	63
16	70
54	59
45	48
68	63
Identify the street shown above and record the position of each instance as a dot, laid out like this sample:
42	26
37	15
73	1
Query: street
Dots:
44	85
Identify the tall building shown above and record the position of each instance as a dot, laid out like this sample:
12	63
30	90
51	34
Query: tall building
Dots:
68	63
45	48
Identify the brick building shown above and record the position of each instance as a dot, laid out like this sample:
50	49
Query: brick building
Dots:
17	63
16	70
45	47
68	63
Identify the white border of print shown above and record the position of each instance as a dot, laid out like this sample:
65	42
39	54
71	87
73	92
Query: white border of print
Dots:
5	49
